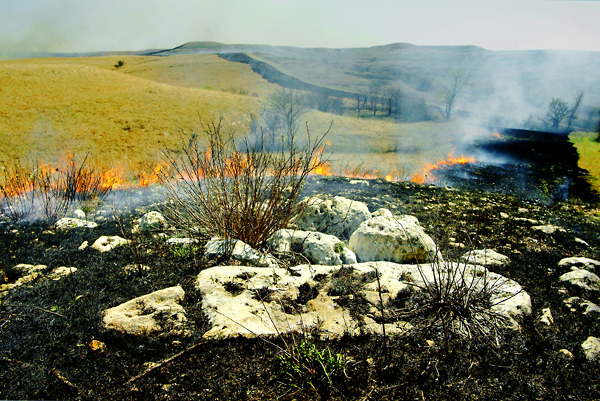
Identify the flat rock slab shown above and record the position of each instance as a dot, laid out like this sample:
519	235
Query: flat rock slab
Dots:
159	311
251	301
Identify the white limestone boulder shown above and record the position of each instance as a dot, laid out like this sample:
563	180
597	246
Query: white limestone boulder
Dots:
152	221
591	348
107	244
397	239
159	311
338	216
319	248
579	263
582	279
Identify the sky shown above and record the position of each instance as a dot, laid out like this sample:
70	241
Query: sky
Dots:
113	25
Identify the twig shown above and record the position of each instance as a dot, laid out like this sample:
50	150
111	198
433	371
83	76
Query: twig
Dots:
63	379
37	307
163	363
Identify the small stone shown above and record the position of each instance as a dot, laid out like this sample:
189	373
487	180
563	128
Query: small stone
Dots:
61	272
591	348
549	229
69	222
152	221
155	312
504	215
546	317
582	242
79	214
485	257
83	245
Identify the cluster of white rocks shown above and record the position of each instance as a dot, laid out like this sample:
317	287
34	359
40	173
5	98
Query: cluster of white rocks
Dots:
264	298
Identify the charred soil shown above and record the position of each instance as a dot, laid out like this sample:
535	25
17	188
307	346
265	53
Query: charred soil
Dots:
48	328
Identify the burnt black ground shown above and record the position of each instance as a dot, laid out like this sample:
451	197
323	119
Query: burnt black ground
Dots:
47	356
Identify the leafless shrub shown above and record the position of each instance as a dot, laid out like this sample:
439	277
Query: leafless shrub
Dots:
50	191
458	300
238	192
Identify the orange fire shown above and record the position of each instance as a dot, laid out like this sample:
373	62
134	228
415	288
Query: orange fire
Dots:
425	174
497	135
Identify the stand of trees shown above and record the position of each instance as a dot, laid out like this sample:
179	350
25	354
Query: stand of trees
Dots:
559	110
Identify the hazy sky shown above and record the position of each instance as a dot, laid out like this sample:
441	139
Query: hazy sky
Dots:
91	25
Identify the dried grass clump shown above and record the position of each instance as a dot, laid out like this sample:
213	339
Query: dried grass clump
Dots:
238	192
46	191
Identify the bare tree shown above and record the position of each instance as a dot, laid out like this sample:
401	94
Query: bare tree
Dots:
558	110
361	101
577	97
373	98
392	99
448	92
288	105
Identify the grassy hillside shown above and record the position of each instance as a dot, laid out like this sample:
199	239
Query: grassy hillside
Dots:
48	108
127	115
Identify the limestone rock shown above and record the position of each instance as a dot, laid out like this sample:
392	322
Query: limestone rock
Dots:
79	214
32	272
61	272
579	263
239	250
485	257
106	244
546	317
389	238
159	311
583	279
591	348
338	216
576	304
152	221
251	301
70	222
319	248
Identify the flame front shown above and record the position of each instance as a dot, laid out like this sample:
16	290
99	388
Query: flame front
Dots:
425	174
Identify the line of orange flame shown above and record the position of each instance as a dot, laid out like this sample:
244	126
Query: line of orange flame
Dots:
425	174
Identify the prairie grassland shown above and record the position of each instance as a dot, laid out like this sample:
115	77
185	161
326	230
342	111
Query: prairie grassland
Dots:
125	116
380	147
589	154
49	109
203	71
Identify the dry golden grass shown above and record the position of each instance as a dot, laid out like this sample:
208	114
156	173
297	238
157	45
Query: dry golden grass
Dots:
125	116
381	147
203	71
48	109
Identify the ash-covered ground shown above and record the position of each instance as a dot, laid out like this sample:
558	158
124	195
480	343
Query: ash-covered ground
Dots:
47	327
